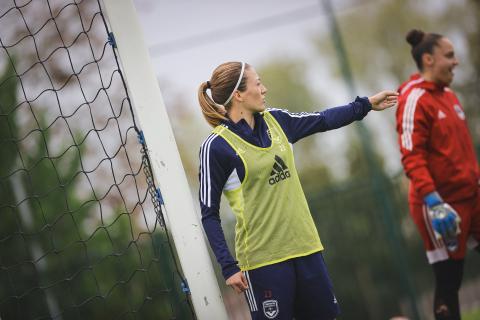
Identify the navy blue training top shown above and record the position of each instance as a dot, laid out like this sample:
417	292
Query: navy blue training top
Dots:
221	168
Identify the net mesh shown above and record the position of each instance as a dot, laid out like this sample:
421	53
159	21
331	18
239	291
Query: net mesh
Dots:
79	237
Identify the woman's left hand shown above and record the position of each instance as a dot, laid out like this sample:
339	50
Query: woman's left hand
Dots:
383	100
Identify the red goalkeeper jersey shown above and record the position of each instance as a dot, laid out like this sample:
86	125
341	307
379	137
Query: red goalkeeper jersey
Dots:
435	143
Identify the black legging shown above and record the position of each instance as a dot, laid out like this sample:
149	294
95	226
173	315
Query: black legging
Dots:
448	279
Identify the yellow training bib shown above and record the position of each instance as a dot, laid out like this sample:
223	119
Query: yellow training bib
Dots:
274	223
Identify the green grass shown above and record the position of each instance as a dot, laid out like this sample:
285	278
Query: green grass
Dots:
471	315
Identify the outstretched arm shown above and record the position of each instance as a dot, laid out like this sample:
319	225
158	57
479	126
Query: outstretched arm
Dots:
299	125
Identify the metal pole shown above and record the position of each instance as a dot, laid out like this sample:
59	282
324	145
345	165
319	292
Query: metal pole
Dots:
36	252
385	203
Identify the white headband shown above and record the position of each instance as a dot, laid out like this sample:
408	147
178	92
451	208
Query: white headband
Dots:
236	86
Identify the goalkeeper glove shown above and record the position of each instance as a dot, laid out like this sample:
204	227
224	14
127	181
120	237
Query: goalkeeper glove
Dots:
445	220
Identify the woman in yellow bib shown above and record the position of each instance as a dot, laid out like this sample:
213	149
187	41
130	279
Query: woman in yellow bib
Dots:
248	156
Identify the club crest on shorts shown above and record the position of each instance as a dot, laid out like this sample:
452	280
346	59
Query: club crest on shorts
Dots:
270	308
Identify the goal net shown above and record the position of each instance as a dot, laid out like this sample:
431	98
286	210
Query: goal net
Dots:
78	235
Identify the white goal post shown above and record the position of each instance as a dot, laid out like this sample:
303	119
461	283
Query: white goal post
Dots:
168	171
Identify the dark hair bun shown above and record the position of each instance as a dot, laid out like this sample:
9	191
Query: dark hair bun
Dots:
415	36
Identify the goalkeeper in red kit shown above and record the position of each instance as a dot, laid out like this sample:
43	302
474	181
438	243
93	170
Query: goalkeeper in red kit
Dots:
439	159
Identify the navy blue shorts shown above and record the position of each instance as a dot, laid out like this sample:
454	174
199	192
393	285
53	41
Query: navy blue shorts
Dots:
299	288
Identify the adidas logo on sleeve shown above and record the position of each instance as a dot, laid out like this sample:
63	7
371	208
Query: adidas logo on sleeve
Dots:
279	171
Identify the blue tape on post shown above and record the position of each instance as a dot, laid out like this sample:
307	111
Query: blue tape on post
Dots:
141	137
111	40
159	196
185	287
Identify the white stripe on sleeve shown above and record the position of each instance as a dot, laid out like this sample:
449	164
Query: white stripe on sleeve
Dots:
411	83
296	114
408	117
205	182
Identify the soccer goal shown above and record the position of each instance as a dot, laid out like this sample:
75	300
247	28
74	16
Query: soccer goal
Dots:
97	221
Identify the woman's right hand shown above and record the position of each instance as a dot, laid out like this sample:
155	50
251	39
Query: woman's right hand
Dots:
238	282
383	100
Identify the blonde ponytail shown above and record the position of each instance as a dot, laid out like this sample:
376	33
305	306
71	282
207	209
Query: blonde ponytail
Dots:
213	113
226	79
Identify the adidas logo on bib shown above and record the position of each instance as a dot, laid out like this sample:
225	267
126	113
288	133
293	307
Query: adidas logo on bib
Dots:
279	171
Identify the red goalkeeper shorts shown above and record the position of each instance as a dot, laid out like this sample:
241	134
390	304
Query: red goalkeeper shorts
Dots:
469	212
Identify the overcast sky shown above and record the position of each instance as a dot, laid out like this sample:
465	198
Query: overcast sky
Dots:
188	39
